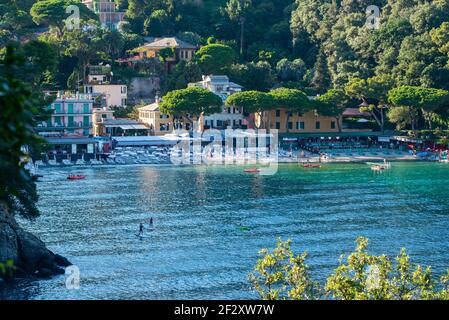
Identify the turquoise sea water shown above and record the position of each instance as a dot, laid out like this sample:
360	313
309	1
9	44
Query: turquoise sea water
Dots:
198	251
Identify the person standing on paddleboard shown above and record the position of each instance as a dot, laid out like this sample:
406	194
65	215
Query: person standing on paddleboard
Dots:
141	229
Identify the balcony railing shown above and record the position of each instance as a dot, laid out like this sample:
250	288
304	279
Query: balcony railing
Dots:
72	113
56	126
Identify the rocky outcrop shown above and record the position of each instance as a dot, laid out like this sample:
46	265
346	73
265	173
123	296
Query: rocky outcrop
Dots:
28	252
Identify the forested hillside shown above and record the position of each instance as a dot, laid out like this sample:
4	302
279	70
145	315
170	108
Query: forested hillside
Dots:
309	44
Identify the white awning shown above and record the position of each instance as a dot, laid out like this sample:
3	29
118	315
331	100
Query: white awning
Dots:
133	127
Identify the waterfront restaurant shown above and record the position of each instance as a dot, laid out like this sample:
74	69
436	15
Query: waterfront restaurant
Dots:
123	127
71	147
144	141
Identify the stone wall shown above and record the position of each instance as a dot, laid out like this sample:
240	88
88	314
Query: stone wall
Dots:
143	89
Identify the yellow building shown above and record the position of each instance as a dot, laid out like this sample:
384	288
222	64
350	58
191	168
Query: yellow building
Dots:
297	123
182	49
160	124
100	115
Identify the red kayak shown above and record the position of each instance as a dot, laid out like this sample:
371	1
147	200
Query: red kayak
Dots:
253	170
311	166
76	177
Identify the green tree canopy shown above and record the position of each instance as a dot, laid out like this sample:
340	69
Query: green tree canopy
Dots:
331	104
440	36
53	12
253	76
291	70
158	24
215	58
292	100
252	102
190	102
373	92
419	99
84	44
280	274
429	99
18	111
237	11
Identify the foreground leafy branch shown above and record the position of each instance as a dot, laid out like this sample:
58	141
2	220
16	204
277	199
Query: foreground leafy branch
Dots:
6	268
281	275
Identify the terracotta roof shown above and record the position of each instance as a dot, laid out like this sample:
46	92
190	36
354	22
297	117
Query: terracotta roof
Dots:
150	107
171	42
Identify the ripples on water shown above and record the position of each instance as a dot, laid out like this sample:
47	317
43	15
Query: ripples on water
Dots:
197	250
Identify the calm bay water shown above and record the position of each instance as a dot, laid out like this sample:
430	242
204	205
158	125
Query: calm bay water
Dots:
197	250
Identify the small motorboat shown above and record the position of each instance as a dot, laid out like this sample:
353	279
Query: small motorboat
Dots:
76	177
252	170
311	165
379	166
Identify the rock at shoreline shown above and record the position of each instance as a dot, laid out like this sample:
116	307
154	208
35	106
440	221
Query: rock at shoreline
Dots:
29	254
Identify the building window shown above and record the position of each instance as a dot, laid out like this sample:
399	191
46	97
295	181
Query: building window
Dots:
317	125
123	89
278	113
290	125
58	121
57	107
278	125
300	125
86	108
332	124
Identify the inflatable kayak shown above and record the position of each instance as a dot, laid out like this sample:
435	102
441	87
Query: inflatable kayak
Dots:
76	177
310	165
253	170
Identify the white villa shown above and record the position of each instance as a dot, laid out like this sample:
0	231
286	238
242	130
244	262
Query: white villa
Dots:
221	86
116	95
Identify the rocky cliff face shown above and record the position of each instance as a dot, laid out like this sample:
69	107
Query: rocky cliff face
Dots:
28	252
